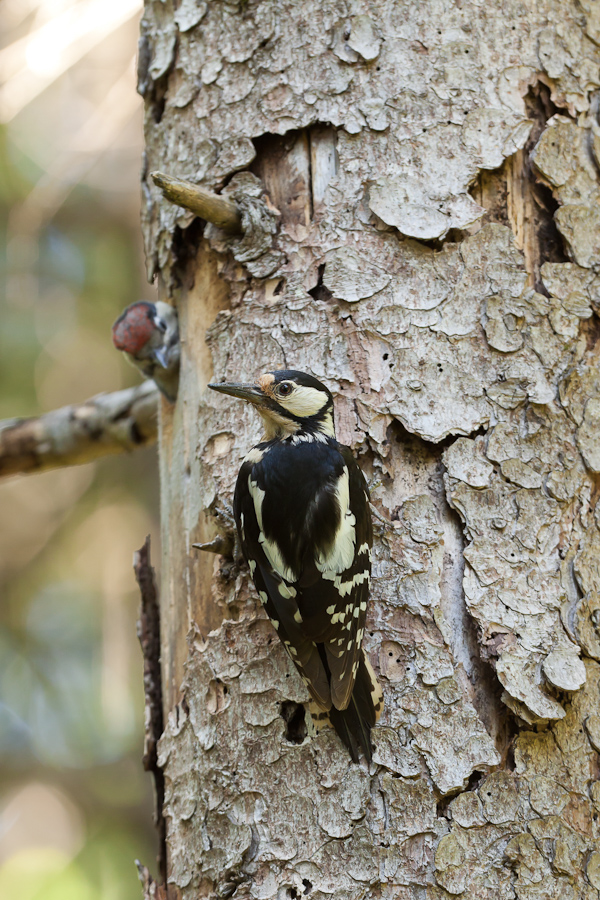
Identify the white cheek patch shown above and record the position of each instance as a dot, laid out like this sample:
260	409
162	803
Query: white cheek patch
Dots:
341	554
304	401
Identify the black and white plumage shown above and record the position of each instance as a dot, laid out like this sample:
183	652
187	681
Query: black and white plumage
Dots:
302	512
148	335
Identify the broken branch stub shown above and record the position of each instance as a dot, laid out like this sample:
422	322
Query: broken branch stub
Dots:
148	632
212	207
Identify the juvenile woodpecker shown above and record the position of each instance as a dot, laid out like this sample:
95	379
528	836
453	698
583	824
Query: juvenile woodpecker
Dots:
303	518
148	334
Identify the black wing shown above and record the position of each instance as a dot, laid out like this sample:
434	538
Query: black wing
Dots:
335	590
315	589
278	596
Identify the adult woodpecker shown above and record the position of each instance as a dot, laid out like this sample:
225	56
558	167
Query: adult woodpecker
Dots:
148	334
302	513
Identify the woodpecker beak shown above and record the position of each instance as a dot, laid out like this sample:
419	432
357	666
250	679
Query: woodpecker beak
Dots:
160	355
249	392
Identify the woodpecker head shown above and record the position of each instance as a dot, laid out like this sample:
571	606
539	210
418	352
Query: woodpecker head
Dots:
146	331
289	403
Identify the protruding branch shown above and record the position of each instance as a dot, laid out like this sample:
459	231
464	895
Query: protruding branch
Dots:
105	425
218	210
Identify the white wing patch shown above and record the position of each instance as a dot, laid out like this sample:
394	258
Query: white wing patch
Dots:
258	495
273	554
271	550
341	554
345	587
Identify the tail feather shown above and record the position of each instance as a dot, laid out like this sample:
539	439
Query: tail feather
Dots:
354	723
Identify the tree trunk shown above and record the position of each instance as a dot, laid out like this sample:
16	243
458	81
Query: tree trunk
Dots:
435	170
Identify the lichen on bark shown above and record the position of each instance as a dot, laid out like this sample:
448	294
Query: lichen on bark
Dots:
466	382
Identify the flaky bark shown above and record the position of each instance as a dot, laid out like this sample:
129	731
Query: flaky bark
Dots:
103	426
422	157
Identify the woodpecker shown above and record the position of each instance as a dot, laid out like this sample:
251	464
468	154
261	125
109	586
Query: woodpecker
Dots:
301	508
148	334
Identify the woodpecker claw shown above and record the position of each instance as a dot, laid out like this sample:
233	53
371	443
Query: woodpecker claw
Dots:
225	516
386	522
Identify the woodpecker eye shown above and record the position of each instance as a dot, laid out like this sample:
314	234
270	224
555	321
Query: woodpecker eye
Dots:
285	389
160	324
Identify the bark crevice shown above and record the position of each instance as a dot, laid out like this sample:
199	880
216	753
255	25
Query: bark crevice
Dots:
516	195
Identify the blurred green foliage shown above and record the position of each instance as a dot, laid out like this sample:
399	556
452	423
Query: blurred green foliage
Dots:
75	804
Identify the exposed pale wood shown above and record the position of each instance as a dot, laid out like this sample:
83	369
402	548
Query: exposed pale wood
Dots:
529	203
187	599
283	165
102	426
323	161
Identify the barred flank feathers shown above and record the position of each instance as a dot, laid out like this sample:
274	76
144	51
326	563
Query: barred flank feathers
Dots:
354	723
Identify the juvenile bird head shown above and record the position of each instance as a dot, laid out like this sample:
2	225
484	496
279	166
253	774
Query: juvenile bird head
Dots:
289	402
146	331
148	335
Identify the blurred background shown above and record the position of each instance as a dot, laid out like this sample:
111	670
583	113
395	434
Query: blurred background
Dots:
75	804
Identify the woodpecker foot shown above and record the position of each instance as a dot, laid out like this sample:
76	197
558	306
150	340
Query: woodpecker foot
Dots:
224	516
381	524
374	484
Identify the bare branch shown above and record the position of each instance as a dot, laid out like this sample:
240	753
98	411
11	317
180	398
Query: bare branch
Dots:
221	212
102	426
148	631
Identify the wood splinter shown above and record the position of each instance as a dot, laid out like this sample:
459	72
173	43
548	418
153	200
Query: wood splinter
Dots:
212	207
